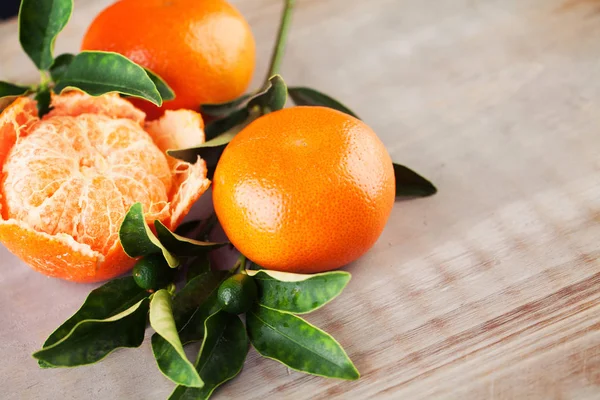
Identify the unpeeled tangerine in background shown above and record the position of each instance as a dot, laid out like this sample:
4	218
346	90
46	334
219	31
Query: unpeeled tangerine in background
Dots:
204	49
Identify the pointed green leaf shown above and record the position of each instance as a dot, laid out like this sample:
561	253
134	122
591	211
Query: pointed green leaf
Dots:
409	183
138	240
274	97
225	111
303	96
272	94
296	343
106	301
60	65
10	90
166	346
183	246
40	22
198	266
90	340
221	110
199	228
166	93
195	302
298	293
186	228
221	357
99	72
43	101
224	125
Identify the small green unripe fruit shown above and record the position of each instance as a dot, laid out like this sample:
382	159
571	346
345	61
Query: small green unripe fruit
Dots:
152	272
237	294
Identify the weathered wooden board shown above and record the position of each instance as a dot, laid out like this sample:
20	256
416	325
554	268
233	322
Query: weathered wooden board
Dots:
490	289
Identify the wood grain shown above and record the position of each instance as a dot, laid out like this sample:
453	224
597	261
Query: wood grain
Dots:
490	289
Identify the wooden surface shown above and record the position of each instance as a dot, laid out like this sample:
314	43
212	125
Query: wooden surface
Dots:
490	289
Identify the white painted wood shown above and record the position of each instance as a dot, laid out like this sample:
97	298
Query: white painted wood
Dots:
490	289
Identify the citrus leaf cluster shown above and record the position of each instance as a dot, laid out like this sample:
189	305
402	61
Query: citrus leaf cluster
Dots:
206	309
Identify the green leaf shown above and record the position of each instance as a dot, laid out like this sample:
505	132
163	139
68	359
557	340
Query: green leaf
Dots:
103	302
166	93
43	100
40	22
224	111
221	357
274	97
166	346
11	90
60	65
296	343
225	125
409	183
303	96
180	245
186	228
195	302
221	110
99	72
138	240
201	228
199	265
90	340
298	293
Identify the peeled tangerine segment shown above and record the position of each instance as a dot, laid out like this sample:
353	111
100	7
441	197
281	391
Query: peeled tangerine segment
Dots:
177	130
70	178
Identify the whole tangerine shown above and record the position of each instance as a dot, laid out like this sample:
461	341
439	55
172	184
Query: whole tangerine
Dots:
304	189
69	178
204	50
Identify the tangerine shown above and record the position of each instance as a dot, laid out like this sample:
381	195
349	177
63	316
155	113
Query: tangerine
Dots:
304	189
69	178
204	50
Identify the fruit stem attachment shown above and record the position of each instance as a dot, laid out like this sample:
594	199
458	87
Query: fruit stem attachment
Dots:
240	264
45	80
279	49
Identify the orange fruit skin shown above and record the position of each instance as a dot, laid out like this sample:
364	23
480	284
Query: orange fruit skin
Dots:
204	49
50	244
53	257
304	189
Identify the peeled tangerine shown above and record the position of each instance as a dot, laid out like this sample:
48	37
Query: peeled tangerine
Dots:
69	178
